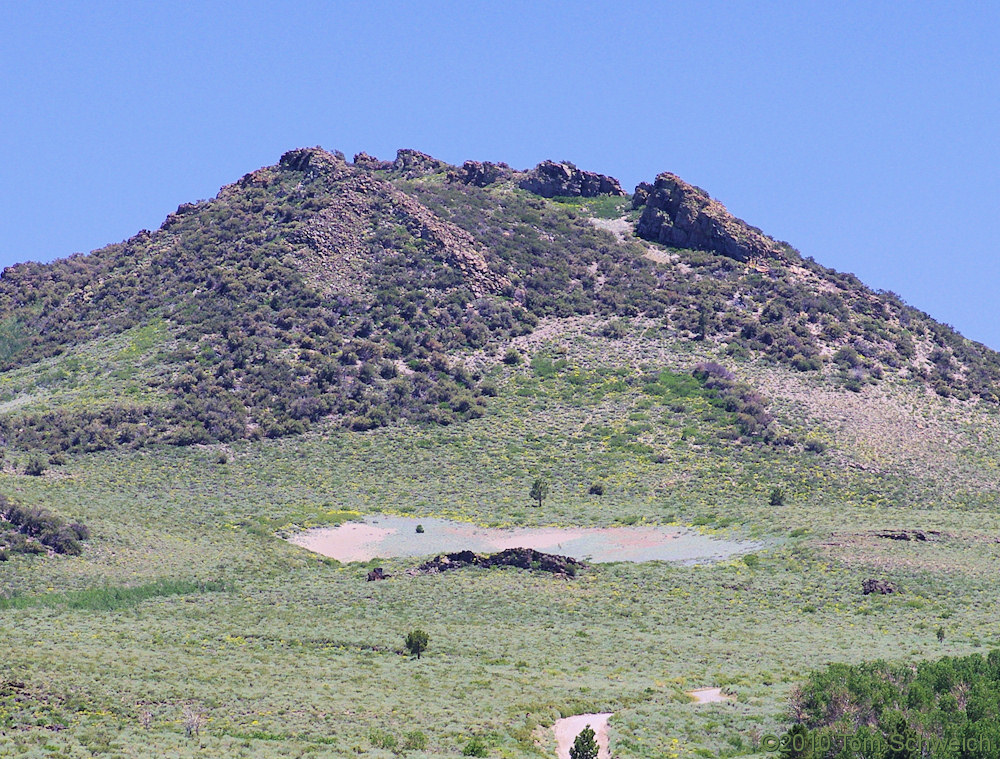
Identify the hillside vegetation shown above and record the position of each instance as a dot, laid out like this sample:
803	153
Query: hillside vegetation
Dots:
320	289
329	340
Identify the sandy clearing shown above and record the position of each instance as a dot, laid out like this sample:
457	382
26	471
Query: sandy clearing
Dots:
709	695
354	541
568	728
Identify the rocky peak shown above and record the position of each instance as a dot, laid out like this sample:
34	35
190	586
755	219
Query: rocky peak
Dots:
313	160
413	164
681	215
550	179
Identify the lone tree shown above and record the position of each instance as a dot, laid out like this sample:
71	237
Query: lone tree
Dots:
416	642
539	490
584	746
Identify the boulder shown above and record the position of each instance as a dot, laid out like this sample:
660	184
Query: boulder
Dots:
882	587
377	574
550	179
681	215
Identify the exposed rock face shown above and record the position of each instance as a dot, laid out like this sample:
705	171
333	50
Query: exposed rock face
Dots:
550	179
684	216
882	587
412	163
480	174
334	252
524	558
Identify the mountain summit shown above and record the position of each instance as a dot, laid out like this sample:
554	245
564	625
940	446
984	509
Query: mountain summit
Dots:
371	292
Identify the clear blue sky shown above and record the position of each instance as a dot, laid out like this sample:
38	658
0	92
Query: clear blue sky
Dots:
864	133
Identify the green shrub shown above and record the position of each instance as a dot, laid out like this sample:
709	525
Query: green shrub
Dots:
584	745
414	740
475	747
777	497
416	642
382	739
512	357
35	466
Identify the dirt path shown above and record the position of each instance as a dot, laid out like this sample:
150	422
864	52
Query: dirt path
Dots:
568	728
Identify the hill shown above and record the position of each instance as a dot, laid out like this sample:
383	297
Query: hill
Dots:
330	341
373	292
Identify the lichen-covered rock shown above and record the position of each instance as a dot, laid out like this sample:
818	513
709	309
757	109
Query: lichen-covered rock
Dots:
681	215
480	174
550	179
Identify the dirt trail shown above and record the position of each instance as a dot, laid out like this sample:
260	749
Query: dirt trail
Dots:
568	728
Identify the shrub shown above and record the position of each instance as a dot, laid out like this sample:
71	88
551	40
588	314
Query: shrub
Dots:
596	488
815	446
475	747
382	739
420	529
414	740
35	466
416	642
584	746
539	490
512	357
777	497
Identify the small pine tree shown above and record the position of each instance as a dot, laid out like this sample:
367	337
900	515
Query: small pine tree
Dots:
539	490
585	745
416	642
940	635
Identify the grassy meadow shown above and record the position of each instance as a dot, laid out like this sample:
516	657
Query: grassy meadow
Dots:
187	613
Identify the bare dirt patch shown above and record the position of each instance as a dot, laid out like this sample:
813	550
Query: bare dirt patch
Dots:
709	695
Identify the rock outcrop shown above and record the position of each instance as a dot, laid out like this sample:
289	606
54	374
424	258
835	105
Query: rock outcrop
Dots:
681	215
919	536
550	179
364	161
480	173
524	558
314	161
882	587
413	164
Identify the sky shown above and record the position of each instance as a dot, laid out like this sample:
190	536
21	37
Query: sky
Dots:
863	133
